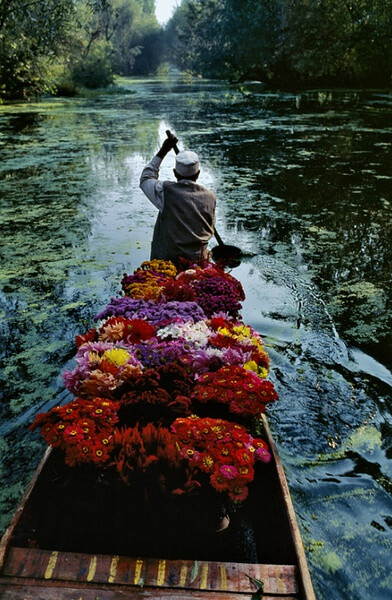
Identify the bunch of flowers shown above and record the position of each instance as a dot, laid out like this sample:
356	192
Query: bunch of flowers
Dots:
224	451
240	390
215	290
234	334
178	290
216	294
102	368
158	314
126	307
155	352
147	455
83	429
148	280
162	267
166	312
196	334
157	395
170	345
144	284
132	331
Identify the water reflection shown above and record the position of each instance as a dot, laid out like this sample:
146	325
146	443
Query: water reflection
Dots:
304	183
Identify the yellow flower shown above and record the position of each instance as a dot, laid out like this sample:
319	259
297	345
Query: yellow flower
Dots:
262	372
256	342
117	356
251	365
166	267
224	331
149	290
242	331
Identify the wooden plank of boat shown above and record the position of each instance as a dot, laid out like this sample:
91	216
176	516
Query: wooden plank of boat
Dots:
49	573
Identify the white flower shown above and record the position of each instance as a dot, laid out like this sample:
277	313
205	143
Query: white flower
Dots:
196	333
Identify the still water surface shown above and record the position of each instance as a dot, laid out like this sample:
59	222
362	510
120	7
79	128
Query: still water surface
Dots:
304	183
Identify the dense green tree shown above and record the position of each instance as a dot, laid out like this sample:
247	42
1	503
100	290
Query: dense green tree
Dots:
194	37
31	33
69	43
346	41
253	31
88	51
285	41
136	37
64	44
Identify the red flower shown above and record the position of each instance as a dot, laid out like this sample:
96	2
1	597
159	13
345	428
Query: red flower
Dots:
222	449
138	330
217	322
90	336
179	291
108	367
83	430
219	482
246	398
137	449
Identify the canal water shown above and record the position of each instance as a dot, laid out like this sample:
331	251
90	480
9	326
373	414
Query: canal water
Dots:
304	186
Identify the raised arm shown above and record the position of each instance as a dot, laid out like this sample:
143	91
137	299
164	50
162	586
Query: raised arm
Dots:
149	179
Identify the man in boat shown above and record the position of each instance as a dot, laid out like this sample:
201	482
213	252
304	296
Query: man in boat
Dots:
186	217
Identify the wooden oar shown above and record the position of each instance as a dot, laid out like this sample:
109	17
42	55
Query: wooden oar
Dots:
224	253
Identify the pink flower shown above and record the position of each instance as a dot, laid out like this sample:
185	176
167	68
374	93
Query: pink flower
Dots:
263	455
228	471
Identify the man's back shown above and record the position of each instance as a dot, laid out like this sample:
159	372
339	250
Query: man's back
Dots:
186	222
186	218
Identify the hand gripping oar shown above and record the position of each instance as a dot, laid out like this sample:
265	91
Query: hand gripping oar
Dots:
224	253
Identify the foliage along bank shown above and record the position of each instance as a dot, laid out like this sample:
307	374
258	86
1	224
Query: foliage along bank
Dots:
58	46
285	42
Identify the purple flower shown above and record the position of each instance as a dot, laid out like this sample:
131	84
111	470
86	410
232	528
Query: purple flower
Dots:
235	356
153	353
157	313
207	360
217	294
125	307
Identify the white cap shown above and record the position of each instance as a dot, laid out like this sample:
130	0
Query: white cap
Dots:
187	163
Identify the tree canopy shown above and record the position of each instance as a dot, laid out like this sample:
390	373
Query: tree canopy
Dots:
285	41
49	45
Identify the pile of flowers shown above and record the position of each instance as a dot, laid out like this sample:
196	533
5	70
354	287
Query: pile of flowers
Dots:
212	288
242	391
138	450
84	430
102	368
148	280
166	356
156	313
157	396
223	450
235	335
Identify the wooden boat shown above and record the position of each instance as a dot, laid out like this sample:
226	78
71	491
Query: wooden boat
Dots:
36	561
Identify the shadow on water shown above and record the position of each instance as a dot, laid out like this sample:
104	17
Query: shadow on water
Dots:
303	182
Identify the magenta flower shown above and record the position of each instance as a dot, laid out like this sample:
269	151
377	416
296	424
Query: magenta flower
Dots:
228	471
263	455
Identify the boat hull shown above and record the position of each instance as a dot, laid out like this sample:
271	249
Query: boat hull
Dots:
37	561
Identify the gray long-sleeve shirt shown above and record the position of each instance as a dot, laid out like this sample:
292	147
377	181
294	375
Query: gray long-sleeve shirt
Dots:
186	216
150	184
